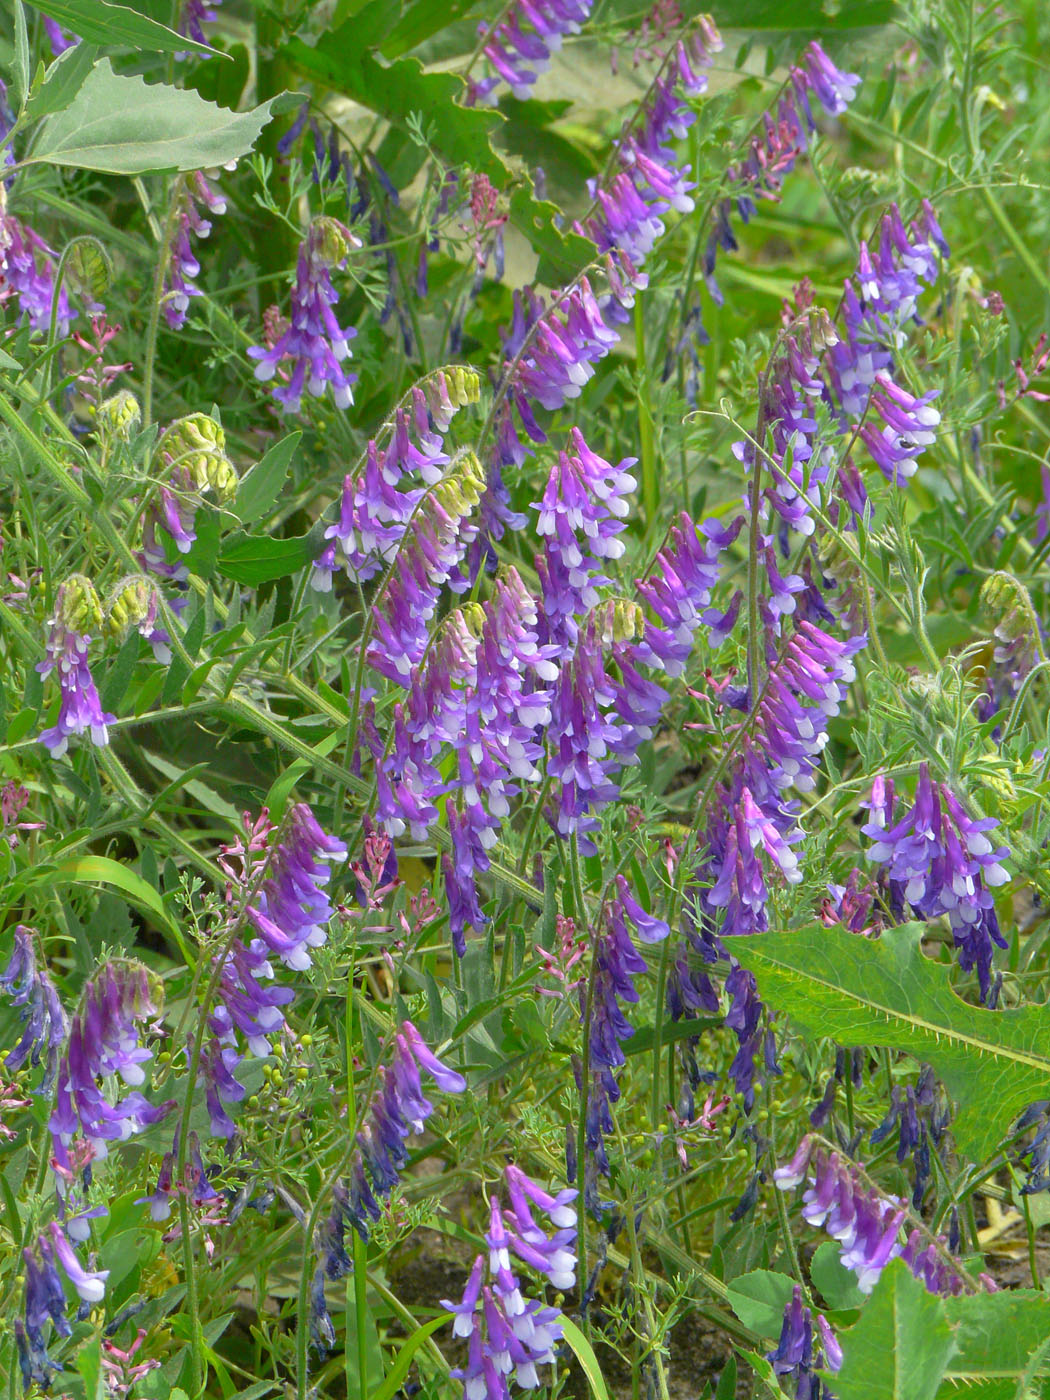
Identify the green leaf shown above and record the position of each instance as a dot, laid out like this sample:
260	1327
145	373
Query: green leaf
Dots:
100	22
586	1357
860	991
759	1299
837	1284
260	487
62	81
900	1347
255	559
402	89
997	1335
124	126
90	870
89	1364
21	54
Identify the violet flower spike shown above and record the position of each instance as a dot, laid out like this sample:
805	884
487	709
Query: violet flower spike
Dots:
314	341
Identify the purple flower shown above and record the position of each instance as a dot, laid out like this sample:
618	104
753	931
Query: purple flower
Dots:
183	266
865	1223
314	341
442	529
908	429
104	1042
40	1010
195	14
77	614
59	38
581	516
28	267
508	1332
649	182
519	47
291	908
795	1354
678	589
940	861
45	1299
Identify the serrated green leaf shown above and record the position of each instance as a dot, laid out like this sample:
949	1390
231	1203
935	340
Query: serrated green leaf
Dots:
402	89
900	1347
997	1336
860	991
255	559
62	81
123	126
260	487
100	22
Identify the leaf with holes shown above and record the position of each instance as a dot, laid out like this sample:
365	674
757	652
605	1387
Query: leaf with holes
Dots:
861	991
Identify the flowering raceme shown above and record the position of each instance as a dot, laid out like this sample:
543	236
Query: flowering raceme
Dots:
288	908
104	1041
183	266
313	341
519	47
77	615
866	1224
939	860
40	1010
507	1332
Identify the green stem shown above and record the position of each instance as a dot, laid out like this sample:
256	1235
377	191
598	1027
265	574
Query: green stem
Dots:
153	324
646	434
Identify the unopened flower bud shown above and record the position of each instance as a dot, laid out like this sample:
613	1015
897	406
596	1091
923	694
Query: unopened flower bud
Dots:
132	602
79	608
119	415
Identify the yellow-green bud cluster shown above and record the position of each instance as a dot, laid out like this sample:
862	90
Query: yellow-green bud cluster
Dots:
129	605
119	415
198	444
79	608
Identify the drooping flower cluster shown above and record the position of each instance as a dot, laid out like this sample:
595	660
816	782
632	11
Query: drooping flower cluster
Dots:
581	515
376	508
443	526
616	963
939	860
647	181
398	1110
478	695
922	1113
519	47
45	1298
39	1009
509	1335
105	1042
785	135
77	616
866	1223
27	270
313	340
678	589
285	901
183	266
795	1354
